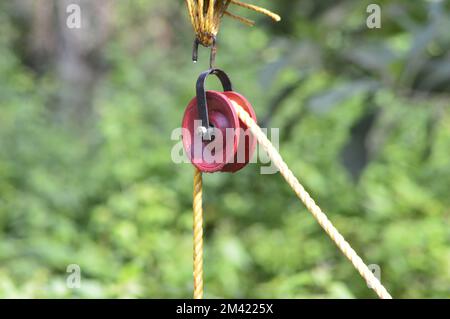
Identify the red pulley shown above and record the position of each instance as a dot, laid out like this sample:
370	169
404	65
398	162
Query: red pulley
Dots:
214	137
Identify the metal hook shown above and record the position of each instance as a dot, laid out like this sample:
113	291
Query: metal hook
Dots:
195	50
205	130
212	56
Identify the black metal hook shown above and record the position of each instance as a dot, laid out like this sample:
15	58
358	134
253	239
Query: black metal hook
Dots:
202	105
212	54
195	50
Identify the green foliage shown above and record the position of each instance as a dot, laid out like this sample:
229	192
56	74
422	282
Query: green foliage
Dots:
112	201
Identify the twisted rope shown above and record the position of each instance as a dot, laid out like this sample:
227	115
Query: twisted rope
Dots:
268	13
312	207
198	235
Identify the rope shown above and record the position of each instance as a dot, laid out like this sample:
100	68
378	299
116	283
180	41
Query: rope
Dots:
268	13
313	208
246	21
198	235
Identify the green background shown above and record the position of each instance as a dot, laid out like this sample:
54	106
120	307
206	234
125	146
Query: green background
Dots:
86	175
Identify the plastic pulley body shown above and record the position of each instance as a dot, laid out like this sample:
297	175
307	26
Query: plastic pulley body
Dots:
231	145
247	141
